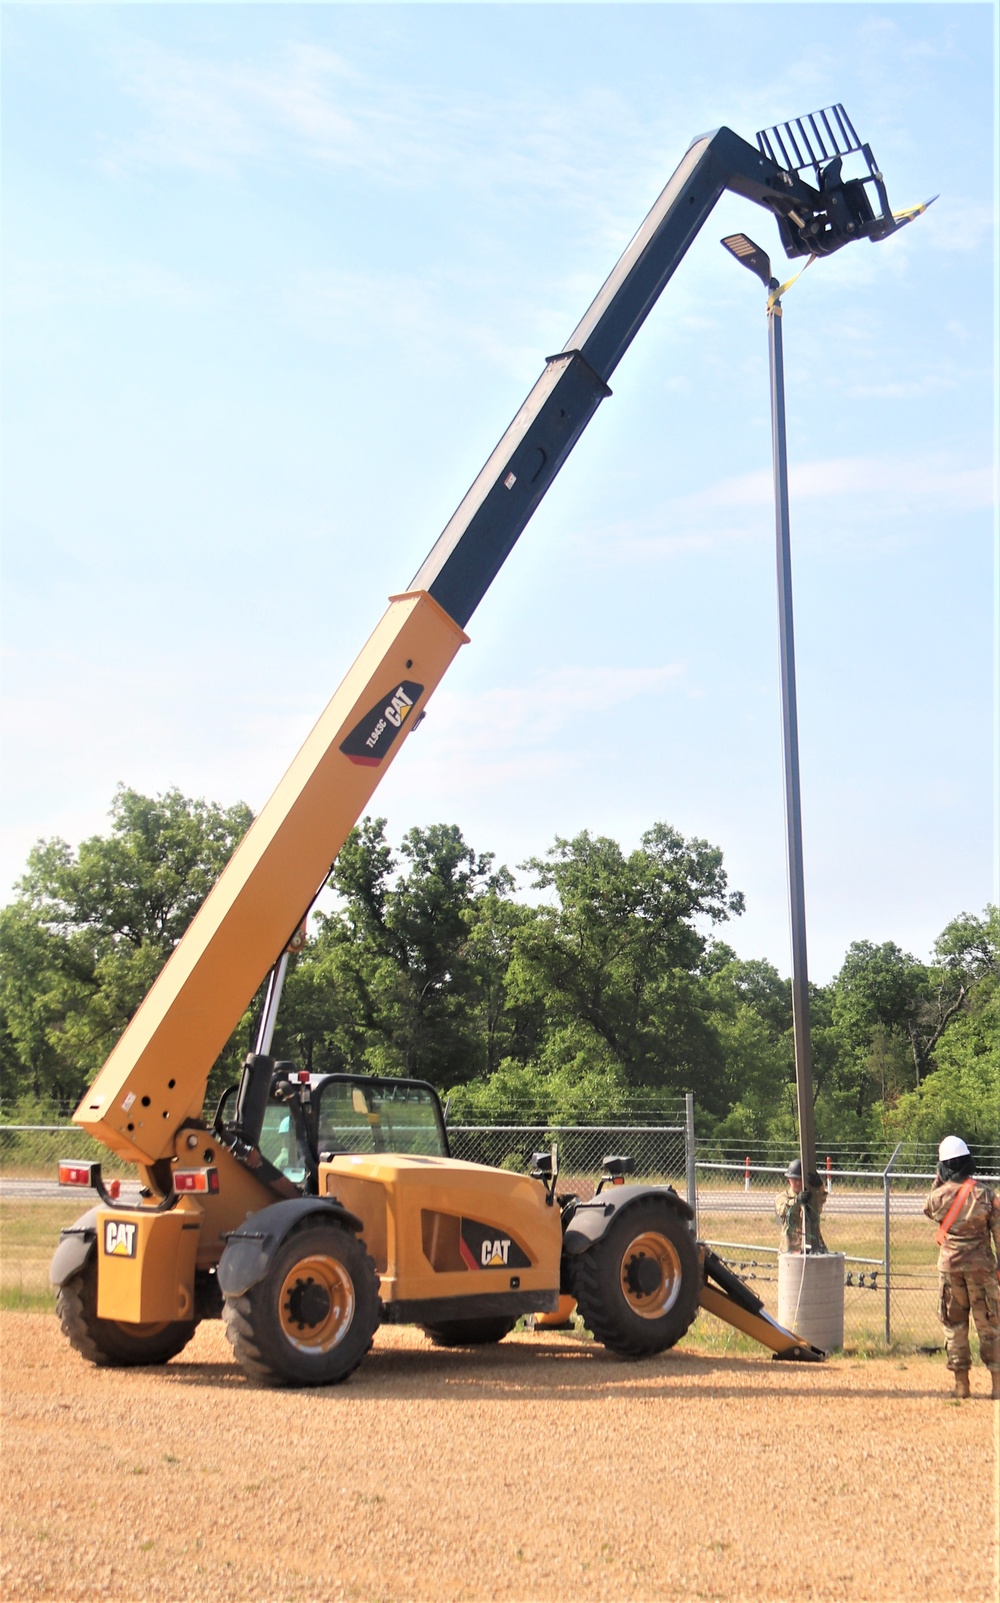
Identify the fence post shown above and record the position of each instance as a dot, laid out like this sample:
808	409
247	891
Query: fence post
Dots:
689	1153
886	1238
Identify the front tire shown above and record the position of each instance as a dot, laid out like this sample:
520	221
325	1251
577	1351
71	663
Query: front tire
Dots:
637	1288
468	1332
112	1343
312	1318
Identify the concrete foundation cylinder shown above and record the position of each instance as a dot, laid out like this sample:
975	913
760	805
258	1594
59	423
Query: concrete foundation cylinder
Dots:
811	1296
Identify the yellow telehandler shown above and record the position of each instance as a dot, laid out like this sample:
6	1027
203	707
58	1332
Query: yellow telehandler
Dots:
312	1208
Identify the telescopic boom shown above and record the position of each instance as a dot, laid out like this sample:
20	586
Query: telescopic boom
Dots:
155	1078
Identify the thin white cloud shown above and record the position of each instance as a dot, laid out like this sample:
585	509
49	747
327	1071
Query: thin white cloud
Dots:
310	103
877	489
340	308
532	715
540	739
30	284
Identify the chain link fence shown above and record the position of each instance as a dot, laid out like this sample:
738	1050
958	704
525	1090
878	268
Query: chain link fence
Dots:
873	1213
31	1152
659	1152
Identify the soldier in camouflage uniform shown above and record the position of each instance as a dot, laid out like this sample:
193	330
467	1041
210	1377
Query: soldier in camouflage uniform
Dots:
793	1205
967	1268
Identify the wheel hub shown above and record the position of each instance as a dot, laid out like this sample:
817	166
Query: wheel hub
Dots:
308	1304
316	1303
651	1274
644	1276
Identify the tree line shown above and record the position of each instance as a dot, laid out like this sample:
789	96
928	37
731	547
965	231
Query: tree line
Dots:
599	982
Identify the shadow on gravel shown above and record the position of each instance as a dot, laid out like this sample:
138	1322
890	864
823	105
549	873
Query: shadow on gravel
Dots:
550	1370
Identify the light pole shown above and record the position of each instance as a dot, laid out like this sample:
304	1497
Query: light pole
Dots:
751	256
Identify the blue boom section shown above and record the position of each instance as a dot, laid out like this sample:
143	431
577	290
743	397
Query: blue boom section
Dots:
480	536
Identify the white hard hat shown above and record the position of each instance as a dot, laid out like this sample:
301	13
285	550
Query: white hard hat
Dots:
952	1147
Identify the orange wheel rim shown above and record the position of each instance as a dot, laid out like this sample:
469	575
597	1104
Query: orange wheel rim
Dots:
651	1275
316	1304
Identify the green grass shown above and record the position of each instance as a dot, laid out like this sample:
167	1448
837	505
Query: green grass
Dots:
29	1231
27	1299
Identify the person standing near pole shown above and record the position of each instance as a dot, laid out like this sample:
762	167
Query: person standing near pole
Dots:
799	1211
968	1217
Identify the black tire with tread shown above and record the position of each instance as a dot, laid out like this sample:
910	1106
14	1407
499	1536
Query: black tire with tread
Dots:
106	1342
597	1274
253	1324
469	1332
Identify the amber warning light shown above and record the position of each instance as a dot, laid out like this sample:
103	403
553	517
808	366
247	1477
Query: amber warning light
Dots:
196	1180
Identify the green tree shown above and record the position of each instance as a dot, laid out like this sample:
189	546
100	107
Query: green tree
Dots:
893	1013
750	1007
91	928
405	977
615	960
961	1093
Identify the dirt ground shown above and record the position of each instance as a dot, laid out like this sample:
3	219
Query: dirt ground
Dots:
543	1468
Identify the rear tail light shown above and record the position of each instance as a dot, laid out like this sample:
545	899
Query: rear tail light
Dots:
74	1173
204	1180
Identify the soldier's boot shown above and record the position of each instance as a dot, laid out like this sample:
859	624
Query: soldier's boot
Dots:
961	1383
995	1377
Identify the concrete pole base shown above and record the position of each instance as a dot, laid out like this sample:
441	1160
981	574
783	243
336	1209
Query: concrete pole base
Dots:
811	1296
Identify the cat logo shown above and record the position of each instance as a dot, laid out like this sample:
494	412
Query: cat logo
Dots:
493	1254
119	1238
481	1248
398	708
370	740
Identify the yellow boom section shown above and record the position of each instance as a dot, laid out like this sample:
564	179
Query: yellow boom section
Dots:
156	1075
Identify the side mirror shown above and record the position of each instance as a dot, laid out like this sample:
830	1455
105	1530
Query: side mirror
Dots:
545	1167
614	1168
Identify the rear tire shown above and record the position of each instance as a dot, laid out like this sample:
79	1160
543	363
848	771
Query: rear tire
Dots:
637	1288
312	1318
110	1342
468	1332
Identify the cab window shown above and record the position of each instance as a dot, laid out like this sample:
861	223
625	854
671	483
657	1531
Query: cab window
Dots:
280	1145
379	1117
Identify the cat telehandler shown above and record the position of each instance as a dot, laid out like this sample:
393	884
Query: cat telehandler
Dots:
313	1207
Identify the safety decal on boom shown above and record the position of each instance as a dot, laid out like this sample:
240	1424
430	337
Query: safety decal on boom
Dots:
119	1238
370	740
483	1247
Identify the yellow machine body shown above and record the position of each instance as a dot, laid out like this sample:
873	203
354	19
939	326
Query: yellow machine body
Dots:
439	1228
146	1263
156	1076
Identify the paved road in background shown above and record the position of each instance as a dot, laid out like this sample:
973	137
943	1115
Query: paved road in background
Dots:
753	1204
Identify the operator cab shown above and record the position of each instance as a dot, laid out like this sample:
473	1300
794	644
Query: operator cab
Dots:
307	1118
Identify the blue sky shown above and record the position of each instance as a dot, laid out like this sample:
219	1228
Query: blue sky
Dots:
275	280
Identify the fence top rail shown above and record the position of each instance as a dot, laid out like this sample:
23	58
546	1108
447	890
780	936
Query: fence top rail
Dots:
781	1170
570	1129
740	1169
42	1129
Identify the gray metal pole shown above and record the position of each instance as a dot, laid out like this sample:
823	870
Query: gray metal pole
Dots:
790	733
691	1176
887	1237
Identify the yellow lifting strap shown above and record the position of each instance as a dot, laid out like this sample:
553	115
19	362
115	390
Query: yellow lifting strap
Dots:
909	212
775	295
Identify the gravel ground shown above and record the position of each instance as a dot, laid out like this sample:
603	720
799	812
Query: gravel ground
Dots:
541	1469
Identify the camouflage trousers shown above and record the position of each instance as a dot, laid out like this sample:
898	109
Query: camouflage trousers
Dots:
975	1292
